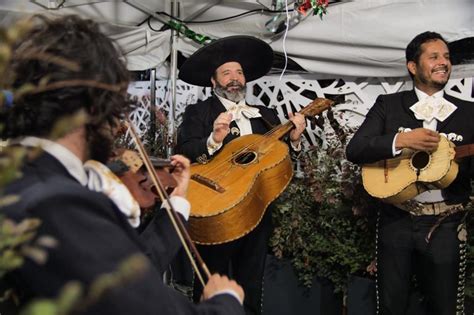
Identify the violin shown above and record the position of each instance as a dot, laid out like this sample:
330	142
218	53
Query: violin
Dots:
128	166
183	235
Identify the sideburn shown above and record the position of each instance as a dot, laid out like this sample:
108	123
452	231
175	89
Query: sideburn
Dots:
99	145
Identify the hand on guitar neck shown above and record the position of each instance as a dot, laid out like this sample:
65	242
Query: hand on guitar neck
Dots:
418	139
300	125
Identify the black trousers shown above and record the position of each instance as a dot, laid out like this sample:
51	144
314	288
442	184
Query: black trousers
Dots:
403	252
242	260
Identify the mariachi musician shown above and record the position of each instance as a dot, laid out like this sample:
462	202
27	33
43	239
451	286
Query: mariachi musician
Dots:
424	236
226	65
126	182
92	236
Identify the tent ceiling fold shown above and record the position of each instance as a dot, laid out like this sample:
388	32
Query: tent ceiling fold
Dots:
361	38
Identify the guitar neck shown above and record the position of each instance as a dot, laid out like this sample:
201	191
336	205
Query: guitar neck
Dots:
315	108
281	130
464	150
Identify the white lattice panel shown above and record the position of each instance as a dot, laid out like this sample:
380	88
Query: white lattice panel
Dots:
291	95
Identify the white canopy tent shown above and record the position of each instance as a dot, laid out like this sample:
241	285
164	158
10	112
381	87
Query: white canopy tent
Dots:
358	45
361	38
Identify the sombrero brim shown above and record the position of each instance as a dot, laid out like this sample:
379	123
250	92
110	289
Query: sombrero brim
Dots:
254	55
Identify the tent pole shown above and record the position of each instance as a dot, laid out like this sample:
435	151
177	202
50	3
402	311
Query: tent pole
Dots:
173	70
153	108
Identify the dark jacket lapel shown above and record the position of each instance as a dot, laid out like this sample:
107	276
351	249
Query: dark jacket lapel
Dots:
409	99
442	124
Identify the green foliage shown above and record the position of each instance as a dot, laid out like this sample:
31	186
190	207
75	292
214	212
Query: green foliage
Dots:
73	297
21	240
17	240
10	161
322	221
156	138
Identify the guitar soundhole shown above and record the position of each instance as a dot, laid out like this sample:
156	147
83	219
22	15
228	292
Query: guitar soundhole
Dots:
245	158
420	160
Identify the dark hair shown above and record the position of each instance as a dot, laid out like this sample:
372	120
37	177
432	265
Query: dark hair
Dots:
413	50
70	52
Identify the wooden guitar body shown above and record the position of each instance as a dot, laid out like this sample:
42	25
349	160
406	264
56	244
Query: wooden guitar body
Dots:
230	194
413	172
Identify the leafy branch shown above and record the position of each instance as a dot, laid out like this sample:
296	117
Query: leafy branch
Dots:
323	221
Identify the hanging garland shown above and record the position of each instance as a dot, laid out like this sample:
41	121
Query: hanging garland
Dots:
319	7
186	31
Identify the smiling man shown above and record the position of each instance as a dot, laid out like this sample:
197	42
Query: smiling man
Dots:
420	236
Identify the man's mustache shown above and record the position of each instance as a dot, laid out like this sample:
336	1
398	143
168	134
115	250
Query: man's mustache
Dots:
234	84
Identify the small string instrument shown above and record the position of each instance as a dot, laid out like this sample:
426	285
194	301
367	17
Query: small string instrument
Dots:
403	177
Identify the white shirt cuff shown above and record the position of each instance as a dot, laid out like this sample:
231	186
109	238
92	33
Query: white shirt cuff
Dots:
228	291
180	205
395	152
212	146
296	147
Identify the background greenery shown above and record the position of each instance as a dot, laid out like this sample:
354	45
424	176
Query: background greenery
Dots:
323	221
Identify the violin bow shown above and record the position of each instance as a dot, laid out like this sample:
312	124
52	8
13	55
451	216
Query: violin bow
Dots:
178	225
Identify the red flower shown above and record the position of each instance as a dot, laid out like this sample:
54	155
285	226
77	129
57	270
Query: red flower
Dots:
323	3
319	7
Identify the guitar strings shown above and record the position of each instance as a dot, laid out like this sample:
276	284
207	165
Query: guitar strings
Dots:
283	128
245	149
400	159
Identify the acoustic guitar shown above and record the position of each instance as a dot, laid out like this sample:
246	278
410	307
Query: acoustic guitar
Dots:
413	172
229	194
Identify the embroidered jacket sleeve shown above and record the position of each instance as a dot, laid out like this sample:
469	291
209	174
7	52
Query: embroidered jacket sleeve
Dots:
372	142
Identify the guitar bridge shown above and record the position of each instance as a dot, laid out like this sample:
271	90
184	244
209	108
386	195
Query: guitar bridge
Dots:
208	182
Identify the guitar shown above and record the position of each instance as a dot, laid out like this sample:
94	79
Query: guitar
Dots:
413	172
229	194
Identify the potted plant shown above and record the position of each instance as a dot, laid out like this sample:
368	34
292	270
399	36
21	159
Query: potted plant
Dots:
324	221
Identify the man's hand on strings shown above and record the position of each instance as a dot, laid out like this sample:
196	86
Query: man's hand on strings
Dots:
181	173
300	125
418	139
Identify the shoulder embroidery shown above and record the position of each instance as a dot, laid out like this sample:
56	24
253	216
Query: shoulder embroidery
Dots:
202	159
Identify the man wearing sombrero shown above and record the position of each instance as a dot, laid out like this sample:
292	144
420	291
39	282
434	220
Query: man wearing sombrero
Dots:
226	65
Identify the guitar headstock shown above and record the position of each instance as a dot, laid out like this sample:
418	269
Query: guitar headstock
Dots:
317	106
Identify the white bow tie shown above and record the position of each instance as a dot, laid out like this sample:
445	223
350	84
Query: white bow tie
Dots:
241	110
431	107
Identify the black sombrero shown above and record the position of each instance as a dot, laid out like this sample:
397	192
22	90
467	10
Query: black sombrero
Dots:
254	55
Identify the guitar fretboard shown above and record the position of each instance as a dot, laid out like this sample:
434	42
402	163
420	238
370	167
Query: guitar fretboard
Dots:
464	150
